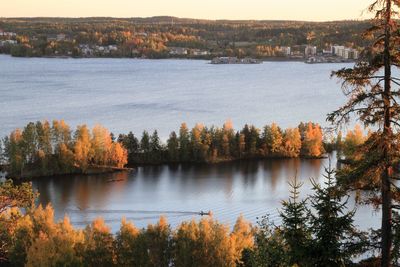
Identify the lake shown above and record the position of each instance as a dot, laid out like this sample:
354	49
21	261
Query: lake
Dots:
133	95
251	188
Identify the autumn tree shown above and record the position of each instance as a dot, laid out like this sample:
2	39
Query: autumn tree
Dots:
12	197
291	143
242	239
184	143
353	140
312	145
97	248
56	248
83	151
130	246
101	145
196	142
158	241
373	98
44	144
118	155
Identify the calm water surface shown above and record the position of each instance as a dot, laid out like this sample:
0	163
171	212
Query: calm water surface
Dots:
126	94
133	95
250	188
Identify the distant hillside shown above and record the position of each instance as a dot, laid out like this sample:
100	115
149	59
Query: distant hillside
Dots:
153	37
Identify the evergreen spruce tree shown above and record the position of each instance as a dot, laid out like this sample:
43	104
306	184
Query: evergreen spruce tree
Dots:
184	143
173	147
155	148
294	227
145	147
335	239
131	144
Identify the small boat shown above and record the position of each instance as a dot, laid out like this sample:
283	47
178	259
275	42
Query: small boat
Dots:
202	213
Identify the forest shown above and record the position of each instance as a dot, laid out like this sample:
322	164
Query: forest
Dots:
154	37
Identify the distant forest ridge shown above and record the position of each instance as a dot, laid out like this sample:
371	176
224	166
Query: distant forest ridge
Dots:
163	37
35	23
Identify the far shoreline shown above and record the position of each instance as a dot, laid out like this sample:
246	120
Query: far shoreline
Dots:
268	59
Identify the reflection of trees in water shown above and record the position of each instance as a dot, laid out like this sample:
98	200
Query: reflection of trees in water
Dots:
206	177
187	181
173	168
82	193
315	167
249	170
42	186
152	173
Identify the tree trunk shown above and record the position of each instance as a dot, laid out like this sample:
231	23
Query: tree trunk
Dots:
386	243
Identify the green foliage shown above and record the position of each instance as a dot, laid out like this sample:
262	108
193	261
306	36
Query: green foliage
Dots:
396	237
131	143
270	247
213	144
173	147
294	226
317	231
335	239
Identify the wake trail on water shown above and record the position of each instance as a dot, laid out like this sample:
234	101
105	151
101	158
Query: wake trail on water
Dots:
132	211
140	218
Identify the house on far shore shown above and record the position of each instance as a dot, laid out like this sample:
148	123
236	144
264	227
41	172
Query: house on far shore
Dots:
178	51
310	51
7	34
198	52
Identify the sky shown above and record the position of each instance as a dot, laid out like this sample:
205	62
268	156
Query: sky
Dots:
310	10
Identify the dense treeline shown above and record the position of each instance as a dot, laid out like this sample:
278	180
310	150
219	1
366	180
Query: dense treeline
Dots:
43	149
152	37
316	231
213	144
36	240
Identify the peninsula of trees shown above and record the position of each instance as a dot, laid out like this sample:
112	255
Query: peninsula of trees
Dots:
214	144
44	149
